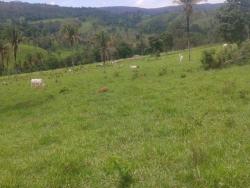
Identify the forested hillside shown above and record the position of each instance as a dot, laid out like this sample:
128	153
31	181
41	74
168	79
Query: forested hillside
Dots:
13	10
72	36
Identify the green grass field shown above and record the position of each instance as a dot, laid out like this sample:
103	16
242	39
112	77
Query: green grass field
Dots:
165	125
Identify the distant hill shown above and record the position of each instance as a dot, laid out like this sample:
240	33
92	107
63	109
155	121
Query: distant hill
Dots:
13	10
33	12
155	11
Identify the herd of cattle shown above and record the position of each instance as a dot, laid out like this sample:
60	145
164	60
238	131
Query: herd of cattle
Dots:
40	83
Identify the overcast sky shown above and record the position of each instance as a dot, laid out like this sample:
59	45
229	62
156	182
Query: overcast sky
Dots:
102	3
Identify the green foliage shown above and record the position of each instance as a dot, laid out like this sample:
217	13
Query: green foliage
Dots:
122	169
70	32
163	71
124	50
244	54
4	56
208	59
102	40
218	58
156	44
15	37
233	21
168	41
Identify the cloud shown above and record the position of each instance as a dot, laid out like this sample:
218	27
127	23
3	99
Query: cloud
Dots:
139	2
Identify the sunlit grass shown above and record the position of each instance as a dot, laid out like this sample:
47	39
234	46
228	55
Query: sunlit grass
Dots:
165	125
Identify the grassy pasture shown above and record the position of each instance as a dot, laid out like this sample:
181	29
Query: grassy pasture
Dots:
164	125
23	51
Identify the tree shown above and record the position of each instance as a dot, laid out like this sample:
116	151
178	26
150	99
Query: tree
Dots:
156	45
15	37
124	50
103	39
71	34
234	20
4	53
246	9
188	9
167	41
140	45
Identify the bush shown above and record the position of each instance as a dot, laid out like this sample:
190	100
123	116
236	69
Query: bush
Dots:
208	59
212	59
228	55
245	52
52	62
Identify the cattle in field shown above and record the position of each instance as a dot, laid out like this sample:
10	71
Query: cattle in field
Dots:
225	45
181	57
37	83
103	90
134	67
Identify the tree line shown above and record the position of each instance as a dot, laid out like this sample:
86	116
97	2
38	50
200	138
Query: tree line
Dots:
89	39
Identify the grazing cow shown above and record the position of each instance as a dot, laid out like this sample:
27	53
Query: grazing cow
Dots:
134	67
103	90
225	45
37	83
181	57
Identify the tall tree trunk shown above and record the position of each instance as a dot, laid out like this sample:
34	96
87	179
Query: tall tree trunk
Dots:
188	37
7	65
15	52
248	32
104	56
2	63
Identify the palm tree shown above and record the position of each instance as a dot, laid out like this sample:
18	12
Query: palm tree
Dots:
71	34
103	42
15	39
4	53
188	9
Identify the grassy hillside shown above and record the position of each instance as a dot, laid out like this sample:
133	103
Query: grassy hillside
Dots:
27	49
24	51
28	53
165	125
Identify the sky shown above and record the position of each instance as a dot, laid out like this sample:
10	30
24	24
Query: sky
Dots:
103	3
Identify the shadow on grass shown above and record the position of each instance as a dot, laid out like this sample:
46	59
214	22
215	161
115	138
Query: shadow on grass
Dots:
27	104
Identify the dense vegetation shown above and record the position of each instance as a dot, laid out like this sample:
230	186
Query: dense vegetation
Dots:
60	36
226	56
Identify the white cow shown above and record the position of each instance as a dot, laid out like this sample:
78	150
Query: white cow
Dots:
37	83
225	45
134	67
181	57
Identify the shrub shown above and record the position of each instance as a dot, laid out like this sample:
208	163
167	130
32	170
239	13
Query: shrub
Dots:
212	59
227	55
245	52
52	62
208	59
163	71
